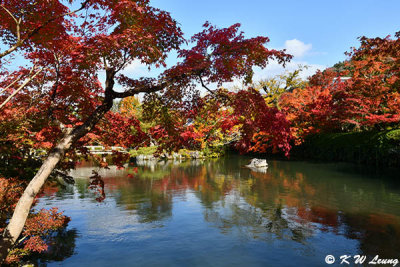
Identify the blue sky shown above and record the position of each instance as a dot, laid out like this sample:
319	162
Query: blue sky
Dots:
317	32
331	27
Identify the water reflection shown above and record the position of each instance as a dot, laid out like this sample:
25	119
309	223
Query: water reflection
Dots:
303	205
61	245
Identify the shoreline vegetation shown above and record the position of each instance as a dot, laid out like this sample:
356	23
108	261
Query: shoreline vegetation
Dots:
373	148
151	154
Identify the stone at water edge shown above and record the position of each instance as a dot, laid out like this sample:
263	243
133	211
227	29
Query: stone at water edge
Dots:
257	163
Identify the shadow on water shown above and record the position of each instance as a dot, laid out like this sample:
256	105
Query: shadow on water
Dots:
61	245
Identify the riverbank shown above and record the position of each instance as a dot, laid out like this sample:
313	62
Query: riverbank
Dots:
375	148
150	153
369	148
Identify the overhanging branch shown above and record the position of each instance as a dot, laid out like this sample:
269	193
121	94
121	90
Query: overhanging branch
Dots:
204	86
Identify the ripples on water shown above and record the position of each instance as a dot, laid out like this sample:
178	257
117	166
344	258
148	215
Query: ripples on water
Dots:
220	214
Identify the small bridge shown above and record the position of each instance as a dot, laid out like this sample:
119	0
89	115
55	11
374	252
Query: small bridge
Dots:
102	150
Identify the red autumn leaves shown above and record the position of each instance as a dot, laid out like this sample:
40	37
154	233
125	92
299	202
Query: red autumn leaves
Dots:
363	96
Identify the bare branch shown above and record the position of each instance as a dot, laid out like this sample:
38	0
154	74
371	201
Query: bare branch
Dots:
140	89
204	86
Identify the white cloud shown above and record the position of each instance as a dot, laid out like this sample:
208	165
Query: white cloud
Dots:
274	68
136	68
297	48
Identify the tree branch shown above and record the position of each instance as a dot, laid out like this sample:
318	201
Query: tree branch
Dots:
204	86
34	31
9	13
12	83
18	31
55	87
137	90
147	87
20	88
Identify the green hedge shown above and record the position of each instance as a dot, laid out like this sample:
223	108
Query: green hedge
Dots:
148	150
377	148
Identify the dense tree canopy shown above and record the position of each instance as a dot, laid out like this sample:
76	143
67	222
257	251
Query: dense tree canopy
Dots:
51	102
363	94
61	65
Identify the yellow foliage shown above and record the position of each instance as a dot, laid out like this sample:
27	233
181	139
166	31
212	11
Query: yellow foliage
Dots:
276	86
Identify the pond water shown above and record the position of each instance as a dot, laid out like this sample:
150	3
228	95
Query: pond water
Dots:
218	213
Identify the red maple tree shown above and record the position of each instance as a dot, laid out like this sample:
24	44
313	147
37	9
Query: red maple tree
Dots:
57	98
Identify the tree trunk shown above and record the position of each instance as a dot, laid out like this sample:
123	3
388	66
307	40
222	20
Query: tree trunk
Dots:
17	222
21	212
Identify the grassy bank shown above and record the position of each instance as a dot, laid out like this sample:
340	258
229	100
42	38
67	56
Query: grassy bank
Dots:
183	153
371	148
